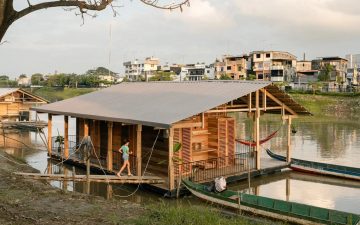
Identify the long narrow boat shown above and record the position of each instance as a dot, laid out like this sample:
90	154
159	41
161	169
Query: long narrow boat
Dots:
319	168
273	208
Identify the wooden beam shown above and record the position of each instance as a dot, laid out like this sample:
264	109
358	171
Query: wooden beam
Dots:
264	99
109	157
49	134
171	166
249	102
138	150
187	125
242	110
272	97
66	137
86	127
288	152
257	124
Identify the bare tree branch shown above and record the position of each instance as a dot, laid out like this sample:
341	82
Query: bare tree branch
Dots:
171	6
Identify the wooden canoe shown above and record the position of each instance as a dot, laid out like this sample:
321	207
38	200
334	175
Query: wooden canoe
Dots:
273	208
319	168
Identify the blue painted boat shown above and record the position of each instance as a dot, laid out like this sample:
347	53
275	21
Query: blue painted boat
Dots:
319	168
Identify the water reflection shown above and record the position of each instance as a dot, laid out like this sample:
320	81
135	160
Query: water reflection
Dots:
337	142
319	191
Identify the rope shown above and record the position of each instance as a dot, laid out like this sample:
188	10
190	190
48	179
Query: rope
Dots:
141	178
62	159
13	161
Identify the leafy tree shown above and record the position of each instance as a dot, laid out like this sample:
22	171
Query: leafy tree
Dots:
4	77
251	77
37	79
8	14
225	77
162	76
325	72
22	76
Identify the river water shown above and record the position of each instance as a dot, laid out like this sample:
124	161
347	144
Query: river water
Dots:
330	140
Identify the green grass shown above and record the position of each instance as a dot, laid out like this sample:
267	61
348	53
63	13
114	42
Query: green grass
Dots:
57	94
186	214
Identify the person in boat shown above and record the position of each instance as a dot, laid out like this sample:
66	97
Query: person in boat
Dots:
218	186
125	155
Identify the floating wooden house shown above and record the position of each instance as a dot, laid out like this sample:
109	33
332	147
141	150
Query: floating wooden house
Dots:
15	103
176	129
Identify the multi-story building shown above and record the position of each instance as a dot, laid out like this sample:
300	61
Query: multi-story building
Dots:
353	60
138	69
275	66
235	67
305	73
195	72
339	67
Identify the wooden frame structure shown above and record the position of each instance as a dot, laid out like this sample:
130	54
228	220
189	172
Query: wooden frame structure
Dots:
15	103
207	135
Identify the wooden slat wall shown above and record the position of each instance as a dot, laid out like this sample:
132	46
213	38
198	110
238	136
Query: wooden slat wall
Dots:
186	148
231	135
177	139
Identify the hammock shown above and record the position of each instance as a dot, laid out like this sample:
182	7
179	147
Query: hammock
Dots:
253	143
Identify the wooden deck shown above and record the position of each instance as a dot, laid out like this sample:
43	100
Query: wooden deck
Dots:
95	178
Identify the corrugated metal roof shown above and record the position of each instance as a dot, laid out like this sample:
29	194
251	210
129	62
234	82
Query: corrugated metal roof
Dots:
6	91
153	103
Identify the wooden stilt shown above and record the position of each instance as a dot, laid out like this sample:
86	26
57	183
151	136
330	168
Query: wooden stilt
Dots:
257	136
49	134
86	127
138	150
288	152
287	189
109	158
171	163
66	137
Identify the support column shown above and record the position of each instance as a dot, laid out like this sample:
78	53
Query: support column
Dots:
109	157
257	135
287	189
66	137
171	166
138	151
49	134
288	152
86	127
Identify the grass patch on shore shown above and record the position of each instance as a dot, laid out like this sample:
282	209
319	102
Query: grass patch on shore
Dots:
54	94
164	214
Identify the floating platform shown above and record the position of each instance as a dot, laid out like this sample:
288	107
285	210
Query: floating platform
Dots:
23	125
95	178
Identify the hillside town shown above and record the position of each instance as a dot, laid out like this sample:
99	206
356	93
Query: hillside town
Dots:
329	73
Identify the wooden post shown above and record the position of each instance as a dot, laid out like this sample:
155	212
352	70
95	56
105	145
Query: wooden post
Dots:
49	134
171	166
109	158
287	189
66	137
257	135
288	152
86	127
249	103
138	150
264	100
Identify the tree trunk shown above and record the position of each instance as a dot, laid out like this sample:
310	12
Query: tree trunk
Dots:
7	16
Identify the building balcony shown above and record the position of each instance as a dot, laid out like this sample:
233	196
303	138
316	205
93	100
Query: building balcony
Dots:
278	67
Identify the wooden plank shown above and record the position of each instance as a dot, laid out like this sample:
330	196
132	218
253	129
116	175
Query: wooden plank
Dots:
66	136
86	127
109	158
257	135
96	178
138	150
171	163
272	97
187	125
49	134
288	152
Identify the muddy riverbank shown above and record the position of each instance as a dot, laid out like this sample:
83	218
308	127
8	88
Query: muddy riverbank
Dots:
24	201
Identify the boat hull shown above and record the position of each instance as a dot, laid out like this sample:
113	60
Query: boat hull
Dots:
292	215
319	168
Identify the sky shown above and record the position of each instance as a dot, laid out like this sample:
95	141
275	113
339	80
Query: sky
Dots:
55	40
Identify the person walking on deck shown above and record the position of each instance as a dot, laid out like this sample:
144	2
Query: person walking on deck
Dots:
125	155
